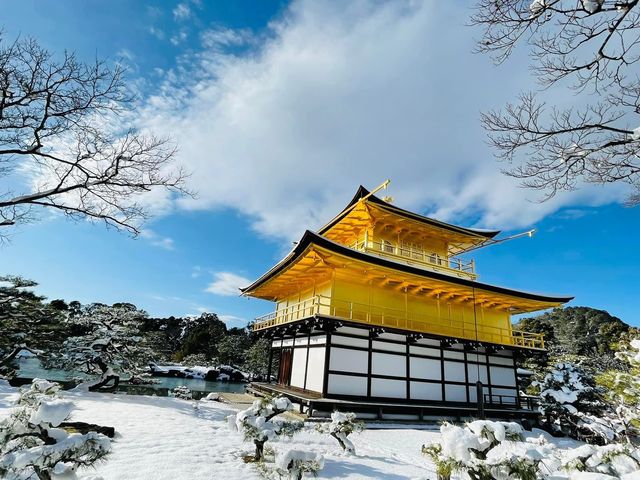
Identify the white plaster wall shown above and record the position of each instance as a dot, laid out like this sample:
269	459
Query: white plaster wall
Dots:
315	371
319	340
510	395
298	367
425	368
354	331
432	352
355	342
454	372
392	347
472	370
276	343
455	393
386	364
454	355
381	387
347	385
473	393
503	376
501	360
393	336
426	391
348	360
288	342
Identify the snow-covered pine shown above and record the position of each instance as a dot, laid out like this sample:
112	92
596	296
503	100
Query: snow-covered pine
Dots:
295	463
616	460
183	393
622	392
259	424
113	345
32	445
341	426
571	404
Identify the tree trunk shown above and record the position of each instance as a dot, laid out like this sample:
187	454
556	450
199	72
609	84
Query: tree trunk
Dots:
105	378
42	474
14	353
259	456
83	427
344	447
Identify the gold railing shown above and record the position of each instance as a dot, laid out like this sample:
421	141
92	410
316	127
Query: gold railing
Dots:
414	255
395	318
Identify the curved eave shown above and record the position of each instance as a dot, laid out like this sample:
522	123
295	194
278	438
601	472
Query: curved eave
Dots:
310	238
362	192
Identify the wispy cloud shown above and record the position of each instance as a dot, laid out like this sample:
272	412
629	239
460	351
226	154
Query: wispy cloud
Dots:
573	213
233	320
182	11
227	284
157	32
196	271
179	37
157	240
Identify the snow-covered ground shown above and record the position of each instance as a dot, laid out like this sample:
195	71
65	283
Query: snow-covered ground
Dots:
166	438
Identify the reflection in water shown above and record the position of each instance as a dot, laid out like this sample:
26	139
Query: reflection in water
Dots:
31	368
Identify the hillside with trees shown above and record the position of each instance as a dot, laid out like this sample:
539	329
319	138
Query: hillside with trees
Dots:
582	335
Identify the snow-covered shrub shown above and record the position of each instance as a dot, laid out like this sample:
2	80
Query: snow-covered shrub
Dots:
484	450
295	463
33	446
342	425
615	460
571	404
622	392
182	392
445	466
258	423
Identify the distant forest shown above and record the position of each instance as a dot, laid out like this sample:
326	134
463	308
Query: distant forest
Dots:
68	333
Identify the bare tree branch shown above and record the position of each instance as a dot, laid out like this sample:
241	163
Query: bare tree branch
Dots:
63	126
589	47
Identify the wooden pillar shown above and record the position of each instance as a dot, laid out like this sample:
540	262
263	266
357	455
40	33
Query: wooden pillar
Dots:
270	362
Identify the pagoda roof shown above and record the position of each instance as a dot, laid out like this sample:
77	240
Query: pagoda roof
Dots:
363	192
310	239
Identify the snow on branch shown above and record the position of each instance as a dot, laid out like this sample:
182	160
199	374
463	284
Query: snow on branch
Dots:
32	444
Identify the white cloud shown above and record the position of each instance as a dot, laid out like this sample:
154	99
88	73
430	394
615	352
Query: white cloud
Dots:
341	94
178	38
157	240
182	11
233	320
196	271
157	32
227	284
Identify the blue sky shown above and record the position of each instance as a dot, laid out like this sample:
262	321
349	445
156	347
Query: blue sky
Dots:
280	111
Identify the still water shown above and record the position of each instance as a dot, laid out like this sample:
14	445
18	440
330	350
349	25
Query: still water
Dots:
31	368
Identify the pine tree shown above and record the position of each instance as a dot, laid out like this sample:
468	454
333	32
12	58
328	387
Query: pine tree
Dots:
32	444
113	344
573	405
259	424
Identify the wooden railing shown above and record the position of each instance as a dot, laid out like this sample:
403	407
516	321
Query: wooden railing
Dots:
413	255
400	319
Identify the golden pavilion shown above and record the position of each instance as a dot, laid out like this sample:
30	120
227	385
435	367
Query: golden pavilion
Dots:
378	311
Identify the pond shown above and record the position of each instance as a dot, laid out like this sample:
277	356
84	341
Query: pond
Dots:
31	368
